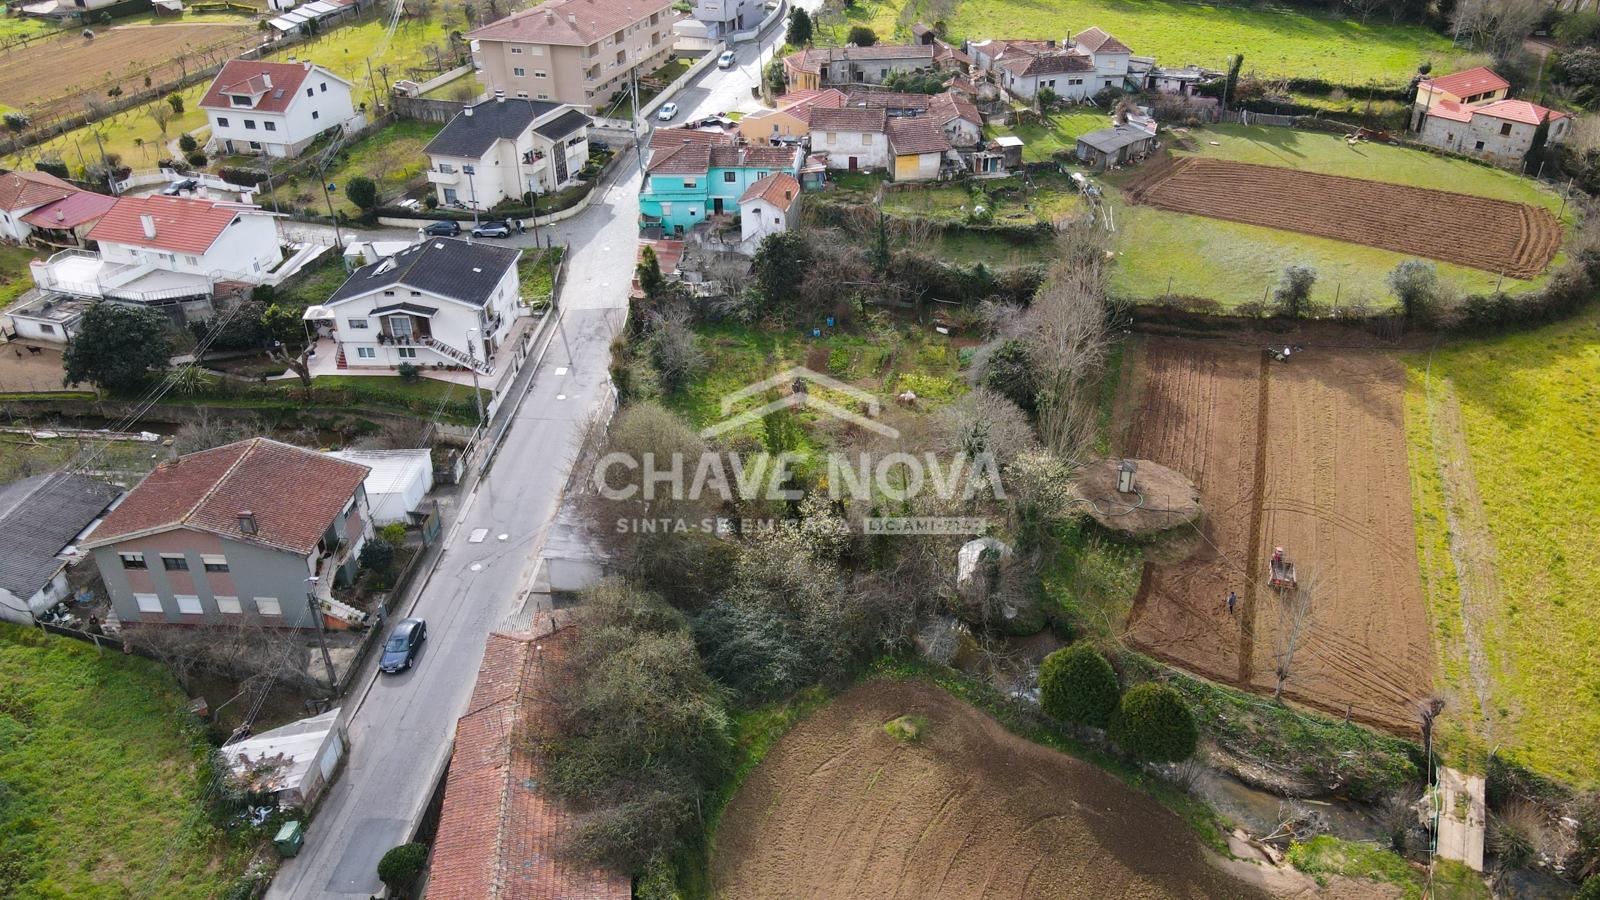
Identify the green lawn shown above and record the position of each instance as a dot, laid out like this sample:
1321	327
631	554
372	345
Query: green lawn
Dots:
1526	409
15	279
20	458
102	774
347	50
1276	41
1326	855
1232	263
1041	141
131	134
536	276
392	157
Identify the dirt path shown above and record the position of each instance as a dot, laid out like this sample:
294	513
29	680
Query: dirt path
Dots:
840	809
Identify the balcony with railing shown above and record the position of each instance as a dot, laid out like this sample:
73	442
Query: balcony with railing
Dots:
84	274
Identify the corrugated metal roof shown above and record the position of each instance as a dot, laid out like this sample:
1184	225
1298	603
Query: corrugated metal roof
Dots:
40	516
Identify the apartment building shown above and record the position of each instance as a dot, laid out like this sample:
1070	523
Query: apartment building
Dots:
580	52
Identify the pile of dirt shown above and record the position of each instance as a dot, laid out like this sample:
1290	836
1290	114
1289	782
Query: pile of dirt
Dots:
1308	455
840	808
1162	498
1494	235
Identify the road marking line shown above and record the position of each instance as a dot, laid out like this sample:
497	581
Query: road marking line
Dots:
477	535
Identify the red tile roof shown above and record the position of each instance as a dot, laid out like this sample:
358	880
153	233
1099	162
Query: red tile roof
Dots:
294	494
1054	62
754	157
1472	81
1451	110
886	99
182	224
500	835
915	136
1096	41
850	118
71	211
1518	111
947	106
275	84
22	190
779	189
574	22
669	137
680	159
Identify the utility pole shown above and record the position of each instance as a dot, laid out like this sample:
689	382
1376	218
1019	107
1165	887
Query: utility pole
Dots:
322	636
377	104
338	238
469	171
472	359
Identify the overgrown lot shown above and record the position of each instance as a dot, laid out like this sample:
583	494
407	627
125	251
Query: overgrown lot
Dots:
1505	459
100	778
1276	41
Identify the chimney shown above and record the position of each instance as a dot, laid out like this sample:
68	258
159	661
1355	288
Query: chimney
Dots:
500	95
149	223
572	19
467	112
266	79
307	64
247	521
549	17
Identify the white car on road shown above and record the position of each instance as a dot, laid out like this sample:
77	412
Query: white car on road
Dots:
726	60
667	112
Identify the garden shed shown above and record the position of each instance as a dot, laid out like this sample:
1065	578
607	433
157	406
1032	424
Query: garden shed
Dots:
1115	146
397	483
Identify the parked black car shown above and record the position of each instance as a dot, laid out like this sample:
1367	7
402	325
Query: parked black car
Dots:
442	228
404	642
178	187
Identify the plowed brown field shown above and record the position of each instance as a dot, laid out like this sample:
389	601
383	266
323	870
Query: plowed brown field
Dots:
1494	235
1308	455
840	809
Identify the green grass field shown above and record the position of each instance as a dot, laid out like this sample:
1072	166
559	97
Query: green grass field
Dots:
1276	41
131	134
1233	264
1043	140
392	157
15	280
1505	460
102	775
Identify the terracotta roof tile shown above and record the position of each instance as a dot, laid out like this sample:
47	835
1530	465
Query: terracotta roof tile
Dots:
779	189
22	189
1055	62
919	135
754	157
1469	82
573	22
499	834
1096	41
181	224
294	494
275	84
71	211
1518	111
849	118
887	99
1451	110
947	106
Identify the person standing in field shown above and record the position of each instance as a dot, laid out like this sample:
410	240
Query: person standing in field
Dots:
1233	598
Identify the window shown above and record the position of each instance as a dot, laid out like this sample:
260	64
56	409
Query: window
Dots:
133	560
192	260
833	138
540	73
519	71
522	95
407	352
1478	146
214	562
222	121
366	353
691	182
516	51
666	209
445	169
866	140
239	100
730	177
270	126
543	96
323	87
148	603
174	562
229	605
47	329
1505	129
255	145
268	606
189	604
249	124
358	324
310	92
315	114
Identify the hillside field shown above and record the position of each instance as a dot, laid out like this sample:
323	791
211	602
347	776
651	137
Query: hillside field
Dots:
102	773
1276	42
1504	437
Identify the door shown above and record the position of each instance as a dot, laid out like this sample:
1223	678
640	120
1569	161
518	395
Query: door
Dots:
716	206
559	151
852	163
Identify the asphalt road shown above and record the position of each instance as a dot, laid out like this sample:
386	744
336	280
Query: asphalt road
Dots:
401	732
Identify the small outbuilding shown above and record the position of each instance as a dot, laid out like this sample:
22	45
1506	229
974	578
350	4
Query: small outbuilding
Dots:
40	518
295	762
1118	145
396	483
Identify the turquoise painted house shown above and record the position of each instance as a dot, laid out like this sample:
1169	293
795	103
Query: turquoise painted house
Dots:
703	175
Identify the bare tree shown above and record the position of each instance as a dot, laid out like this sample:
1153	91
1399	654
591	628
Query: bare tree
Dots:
1067	332
241	651
301	365
1295	607
206	432
162	113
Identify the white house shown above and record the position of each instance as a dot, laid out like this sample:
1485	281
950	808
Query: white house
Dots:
959	117
1109	55
503	148
441	302
724	17
40	518
276	109
397	483
770	206
853	137
156	249
22	192
1075	69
